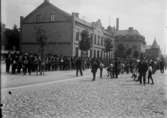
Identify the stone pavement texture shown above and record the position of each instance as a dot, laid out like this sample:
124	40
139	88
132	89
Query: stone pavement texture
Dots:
103	98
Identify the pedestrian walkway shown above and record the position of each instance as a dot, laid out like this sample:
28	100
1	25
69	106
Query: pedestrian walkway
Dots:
9	81
106	98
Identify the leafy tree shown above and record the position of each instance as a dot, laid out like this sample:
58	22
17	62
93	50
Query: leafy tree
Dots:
12	38
120	51
128	52
136	54
108	45
85	42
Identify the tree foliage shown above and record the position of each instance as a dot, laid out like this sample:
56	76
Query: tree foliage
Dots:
120	51
108	45
136	54
12	38
129	52
85	42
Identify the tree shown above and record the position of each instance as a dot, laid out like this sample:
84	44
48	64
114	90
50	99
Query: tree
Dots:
128	52
85	42
136	54
12	38
108	45
120	51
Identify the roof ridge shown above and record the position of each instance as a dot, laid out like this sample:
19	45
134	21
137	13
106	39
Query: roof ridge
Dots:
155	44
55	7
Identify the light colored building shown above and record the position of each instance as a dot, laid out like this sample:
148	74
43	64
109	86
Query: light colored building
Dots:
130	39
63	31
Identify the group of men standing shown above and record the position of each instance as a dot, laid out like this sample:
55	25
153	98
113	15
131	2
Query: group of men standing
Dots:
23	63
143	68
28	63
95	64
17	63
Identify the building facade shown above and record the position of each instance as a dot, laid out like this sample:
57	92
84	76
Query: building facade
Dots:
130	39
63	32
154	50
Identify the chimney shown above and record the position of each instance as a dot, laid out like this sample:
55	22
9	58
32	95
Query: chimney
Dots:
130	28
21	21
46	0
117	24
75	14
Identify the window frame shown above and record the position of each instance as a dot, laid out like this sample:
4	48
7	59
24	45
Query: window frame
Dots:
52	17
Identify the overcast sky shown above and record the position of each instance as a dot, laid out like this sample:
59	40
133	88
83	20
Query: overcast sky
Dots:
147	16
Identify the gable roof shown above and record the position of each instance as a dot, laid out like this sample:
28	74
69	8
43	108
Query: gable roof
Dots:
98	25
127	32
83	22
155	44
46	3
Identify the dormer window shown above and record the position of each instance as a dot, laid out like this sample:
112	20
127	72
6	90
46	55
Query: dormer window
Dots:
52	17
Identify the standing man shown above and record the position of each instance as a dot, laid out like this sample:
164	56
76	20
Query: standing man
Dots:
78	65
139	66
144	71
115	69
8	62
25	64
30	64
101	69
94	68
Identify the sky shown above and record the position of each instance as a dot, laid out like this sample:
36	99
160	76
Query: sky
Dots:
149	17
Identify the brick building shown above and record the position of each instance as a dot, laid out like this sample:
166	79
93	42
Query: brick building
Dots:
63	31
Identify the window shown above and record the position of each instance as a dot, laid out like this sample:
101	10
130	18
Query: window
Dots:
94	53
90	53
77	36
38	18
102	41
101	54
98	54
95	39
98	41
52	17
76	51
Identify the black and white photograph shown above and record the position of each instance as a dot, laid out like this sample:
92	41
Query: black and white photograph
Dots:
83	59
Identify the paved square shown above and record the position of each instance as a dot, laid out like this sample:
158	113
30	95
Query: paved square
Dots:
62	95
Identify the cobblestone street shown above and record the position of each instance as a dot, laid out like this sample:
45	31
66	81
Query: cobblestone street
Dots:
82	98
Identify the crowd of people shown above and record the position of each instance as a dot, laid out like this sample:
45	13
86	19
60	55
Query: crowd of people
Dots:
17	63
141	70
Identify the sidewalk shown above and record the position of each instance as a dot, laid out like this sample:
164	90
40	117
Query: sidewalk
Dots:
18	80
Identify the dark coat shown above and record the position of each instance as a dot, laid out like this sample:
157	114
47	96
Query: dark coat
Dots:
94	67
78	63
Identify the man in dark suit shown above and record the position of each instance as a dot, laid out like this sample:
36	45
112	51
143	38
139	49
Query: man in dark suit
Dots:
115	69
144	70
78	65
94	68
